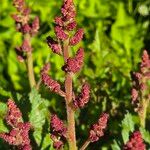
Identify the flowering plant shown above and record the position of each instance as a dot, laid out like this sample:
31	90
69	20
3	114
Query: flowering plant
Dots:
62	134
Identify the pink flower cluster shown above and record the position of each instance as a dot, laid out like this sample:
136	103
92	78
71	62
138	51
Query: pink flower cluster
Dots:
53	85
140	82
19	135
23	25
58	131
64	24
135	142
97	130
77	37
56	48
22	18
74	64
50	83
82	99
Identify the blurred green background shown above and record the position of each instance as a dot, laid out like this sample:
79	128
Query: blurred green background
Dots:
116	32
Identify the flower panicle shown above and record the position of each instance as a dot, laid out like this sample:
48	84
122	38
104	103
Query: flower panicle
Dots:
74	64
54	45
140	82
24	25
19	135
58	132
135	142
97	130
14	115
50	83
77	37
82	99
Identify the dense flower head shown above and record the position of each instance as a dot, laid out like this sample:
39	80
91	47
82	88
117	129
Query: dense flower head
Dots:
71	26
58	144
140	89
135	142
97	130
19	135
19	4
60	33
74	64
58	131
77	37
145	61
50	83
22	18
58	126
54	45
82	99
35	26
68	10
14	115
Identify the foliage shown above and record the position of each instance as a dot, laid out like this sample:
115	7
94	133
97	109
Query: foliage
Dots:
116	31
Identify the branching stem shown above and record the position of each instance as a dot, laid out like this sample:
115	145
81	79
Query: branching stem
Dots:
70	112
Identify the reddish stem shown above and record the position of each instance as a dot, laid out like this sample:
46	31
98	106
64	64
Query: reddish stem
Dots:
70	112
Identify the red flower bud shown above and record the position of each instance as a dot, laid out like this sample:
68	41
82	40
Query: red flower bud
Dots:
59	21
134	95
74	64
58	126
56	48
60	33
50	83
83	97
135	142
97	130
25	29
35	26
71	26
26	46
77	37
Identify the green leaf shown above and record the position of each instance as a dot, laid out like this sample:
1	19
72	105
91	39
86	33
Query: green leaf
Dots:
38	115
145	135
127	126
115	146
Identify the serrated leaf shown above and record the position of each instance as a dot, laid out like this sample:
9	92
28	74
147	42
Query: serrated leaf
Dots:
145	135
38	114
127	126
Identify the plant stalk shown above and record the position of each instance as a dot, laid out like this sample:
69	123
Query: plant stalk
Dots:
30	69
85	145
143	113
70	112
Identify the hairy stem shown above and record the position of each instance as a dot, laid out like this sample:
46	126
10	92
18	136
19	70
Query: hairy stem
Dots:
143	113
30	69
85	145
30	64
70	112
